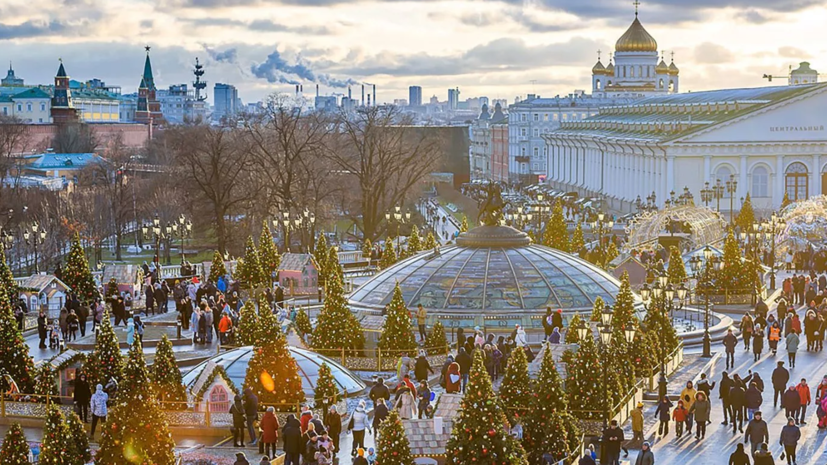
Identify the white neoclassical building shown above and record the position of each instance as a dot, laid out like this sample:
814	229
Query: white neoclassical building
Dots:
771	139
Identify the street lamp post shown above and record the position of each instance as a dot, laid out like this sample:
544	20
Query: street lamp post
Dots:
701	269
731	188
37	236
600	225
155	229
398	218
662	299
706	194
771	228
718	193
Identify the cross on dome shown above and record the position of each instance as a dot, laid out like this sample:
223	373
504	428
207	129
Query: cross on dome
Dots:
636	3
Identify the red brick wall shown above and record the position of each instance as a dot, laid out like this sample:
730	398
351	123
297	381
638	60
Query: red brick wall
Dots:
41	135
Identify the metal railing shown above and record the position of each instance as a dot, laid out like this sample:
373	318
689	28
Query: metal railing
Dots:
673	361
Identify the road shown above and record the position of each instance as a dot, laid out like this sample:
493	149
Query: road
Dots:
720	440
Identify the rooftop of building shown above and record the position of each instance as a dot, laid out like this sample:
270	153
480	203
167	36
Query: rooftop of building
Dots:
63	161
572	100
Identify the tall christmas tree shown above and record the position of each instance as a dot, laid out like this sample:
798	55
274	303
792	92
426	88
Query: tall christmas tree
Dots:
320	255
248	329
597	308
76	273
105	362
15	359
577	239
326	393
388	254
611	254
397	334
731	275
556	234
515	391
584	381
430	242
336	326
665	338
676	272
46	384
392	447
79	440
623	312
571	335
480	433
436	342
464	226
167	383
273	375
7	283
333	265
249	271
268	254
549	428
303	324
57	447
136	429
746	217
414	241
217	268
367	249
15	450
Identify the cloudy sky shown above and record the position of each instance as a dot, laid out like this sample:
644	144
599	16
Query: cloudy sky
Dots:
497	48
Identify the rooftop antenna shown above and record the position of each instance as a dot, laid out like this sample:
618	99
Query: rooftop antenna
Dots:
199	85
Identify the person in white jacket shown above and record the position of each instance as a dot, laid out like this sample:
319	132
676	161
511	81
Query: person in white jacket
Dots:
359	422
520	340
98	407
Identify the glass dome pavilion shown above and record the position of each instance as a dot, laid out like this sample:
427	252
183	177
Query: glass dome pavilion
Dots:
235	364
493	271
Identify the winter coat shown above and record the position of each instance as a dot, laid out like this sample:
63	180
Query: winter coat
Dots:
250	404
334	425
724	387
380	412
637	419
130	332
521	340
453	379
688	397
704	386
755	378
464	361
758	343
292	436
406	405
379	391
237	411
753	398
790	435
664	410
586	460
792	342
701	409
757	432
360	419
422	368
739	457
737	396
645	457
803	394
83	393
99	400
791	400
730	341
763	458
780	376
270	428
680	413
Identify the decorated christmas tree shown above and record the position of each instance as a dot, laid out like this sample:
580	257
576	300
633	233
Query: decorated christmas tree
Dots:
268	254
397	334
746	217
166	377
57	447
105	362
597	308
388	255
584	381
549	427
515	391
480	433
76	273
611	254
367	249
273	375
556	234
414	241
430	242
46	382
642	351
320	255
464	226
326	393
571	335
665	338
250	271
577	239
269	327
15	450
676	272
436	342
336	326
79	442
333	265
303	325
136	429
217	268
731	276
247	331
623	312
14	359
112	289
8	285
392	447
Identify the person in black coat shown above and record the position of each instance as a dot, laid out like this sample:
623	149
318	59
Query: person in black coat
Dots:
737	403
251	412
292	436
547	323
42	323
239	421
82	395
83	315
723	393
149	299
780	376
464	362
380	412
379	391
422	367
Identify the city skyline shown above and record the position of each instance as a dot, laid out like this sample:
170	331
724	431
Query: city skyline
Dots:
499	49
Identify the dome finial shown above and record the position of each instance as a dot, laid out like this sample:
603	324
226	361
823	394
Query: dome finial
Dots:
637	5
598	55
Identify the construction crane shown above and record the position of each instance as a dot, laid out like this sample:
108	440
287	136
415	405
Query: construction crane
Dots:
769	77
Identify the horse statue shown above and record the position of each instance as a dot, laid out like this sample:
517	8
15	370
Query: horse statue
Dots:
491	210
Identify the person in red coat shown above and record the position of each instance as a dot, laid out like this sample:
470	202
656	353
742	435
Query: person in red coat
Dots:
269	431
453	379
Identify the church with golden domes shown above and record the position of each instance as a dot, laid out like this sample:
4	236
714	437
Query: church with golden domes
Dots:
633	69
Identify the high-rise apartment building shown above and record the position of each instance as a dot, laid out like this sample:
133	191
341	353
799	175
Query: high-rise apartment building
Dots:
415	96
225	97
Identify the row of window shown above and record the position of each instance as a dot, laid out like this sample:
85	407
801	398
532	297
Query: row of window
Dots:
29	108
536	151
796	181
555	116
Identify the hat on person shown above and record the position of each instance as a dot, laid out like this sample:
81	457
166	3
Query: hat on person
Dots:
639	404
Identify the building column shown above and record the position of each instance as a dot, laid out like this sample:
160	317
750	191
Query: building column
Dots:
664	186
743	183
670	173
778	191
708	168
815	176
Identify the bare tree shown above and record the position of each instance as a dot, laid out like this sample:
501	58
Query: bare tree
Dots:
15	138
386	156
75	138
217	167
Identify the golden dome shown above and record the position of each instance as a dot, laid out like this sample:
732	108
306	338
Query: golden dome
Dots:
673	70
662	67
610	70
636	39
599	68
